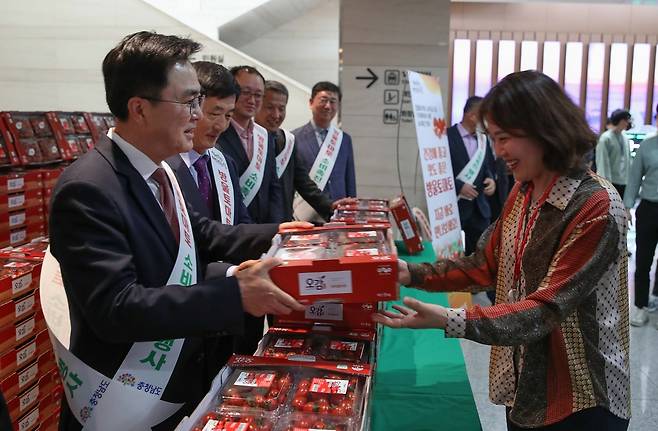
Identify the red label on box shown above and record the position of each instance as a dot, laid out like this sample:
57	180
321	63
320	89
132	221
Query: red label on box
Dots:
329	386
289	343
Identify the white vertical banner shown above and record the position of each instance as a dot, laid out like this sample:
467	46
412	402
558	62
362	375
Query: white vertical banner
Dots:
431	129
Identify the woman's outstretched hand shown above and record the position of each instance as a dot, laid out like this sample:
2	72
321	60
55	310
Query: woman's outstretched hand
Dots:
418	315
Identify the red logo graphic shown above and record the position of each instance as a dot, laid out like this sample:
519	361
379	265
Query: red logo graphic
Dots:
439	127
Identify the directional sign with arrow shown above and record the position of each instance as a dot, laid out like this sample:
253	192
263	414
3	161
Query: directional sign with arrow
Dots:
373	78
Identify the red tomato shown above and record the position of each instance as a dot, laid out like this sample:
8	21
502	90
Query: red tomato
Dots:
298	402
319	425
323	409
337	411
310	407
259	400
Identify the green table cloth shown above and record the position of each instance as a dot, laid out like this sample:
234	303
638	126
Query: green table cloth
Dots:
421	382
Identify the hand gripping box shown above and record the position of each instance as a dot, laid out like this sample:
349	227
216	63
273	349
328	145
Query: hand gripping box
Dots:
348	264
406	224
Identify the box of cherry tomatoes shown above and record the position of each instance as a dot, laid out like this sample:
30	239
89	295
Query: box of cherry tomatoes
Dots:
363	204
278	394
350	216
331	314
337	263
313	344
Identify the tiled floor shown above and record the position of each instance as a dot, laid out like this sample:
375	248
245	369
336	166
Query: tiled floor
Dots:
644	372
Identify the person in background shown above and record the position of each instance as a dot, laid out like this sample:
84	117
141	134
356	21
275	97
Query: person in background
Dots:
250	146
613	153
208	178
466	154
643	181
557	256
291	169
315	142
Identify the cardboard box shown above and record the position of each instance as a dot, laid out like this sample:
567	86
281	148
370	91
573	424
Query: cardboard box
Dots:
17	309
34	251
20	200
32	396
49	403
334	315
22	235
16	182
14	334
79	121
19	357
20	218
406	224
17	382
365	204
18	278
341	270
8	155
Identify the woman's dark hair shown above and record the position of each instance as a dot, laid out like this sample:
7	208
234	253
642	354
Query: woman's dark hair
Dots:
531	104
216	80
139	65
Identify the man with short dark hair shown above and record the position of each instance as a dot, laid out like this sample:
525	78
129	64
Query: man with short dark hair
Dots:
613	152
253	151
141	283
290	167
325	149
471	159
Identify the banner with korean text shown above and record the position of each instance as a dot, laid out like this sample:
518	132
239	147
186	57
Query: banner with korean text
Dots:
438	178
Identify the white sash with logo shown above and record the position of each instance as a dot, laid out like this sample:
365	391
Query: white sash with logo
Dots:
472	168
224	186
129	400
320	172
252	177
283	158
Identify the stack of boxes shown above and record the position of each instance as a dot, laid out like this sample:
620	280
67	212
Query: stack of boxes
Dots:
22	214
28	372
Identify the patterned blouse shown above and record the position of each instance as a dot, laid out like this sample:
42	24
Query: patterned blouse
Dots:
559	334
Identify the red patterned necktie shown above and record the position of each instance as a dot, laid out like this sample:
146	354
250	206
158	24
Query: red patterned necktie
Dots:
167	200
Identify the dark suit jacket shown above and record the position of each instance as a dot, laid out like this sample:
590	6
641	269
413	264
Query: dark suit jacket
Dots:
295	177
266	207
497	200
116	252
459	158
342	181
193	197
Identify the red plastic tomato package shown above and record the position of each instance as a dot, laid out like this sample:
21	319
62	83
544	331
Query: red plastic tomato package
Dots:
284	346
329	394
311	422
235	421
256	389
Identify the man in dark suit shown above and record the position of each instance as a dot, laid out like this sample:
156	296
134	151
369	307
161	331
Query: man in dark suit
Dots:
291	169
194	169
264	199
128	249
239	142
324	102
474	210
209	179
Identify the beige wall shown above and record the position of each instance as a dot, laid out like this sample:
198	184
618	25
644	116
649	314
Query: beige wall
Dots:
52	52
388	35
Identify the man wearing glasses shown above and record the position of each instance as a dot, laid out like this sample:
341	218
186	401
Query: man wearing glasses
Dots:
253	151
326	149
136	264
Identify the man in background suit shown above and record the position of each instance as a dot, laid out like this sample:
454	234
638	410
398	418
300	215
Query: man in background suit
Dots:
239	143
291	169
264	201
324	103
127	250
215	195
474	210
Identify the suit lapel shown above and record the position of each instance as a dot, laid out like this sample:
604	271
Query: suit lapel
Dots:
460	152
187	185
234	147
311	140
140	191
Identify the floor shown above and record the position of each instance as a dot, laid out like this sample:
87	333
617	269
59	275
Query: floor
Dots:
644	371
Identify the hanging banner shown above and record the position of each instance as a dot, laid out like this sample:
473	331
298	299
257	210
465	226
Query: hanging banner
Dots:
438	177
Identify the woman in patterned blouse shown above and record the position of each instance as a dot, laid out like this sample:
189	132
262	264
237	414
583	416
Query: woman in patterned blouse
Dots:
557	259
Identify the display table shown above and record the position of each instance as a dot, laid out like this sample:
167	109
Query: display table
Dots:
421	382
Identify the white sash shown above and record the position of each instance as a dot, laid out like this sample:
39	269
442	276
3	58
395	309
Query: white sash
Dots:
224	186
130	400
472	168
283	158
320	172
252	177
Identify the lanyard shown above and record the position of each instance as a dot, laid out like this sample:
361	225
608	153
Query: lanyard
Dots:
521	241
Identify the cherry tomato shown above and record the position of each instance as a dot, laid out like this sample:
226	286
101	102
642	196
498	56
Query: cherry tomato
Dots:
323	409
298	402
337	411
310	407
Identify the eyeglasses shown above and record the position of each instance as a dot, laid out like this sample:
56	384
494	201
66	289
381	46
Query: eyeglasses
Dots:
191	104
247	94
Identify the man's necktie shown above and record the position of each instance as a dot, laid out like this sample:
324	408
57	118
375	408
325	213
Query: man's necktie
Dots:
167	200
203	177
323	135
